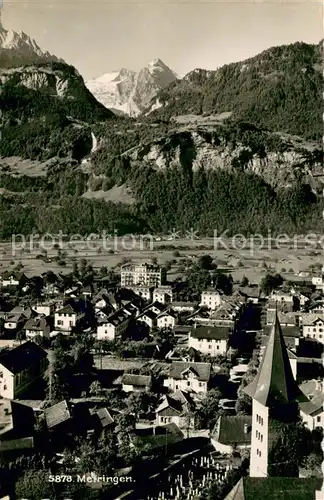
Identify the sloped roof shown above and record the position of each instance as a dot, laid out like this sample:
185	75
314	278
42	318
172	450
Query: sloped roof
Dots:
230	429
313	390
178	403
57	414
211	332
287	331
137	380
23	356
275	383
39	323
275	488
179	367
104	417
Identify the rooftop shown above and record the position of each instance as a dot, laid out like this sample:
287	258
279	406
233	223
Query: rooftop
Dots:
137	380
211	332
275	488
202	370
275	383
233	430
57	414
18	359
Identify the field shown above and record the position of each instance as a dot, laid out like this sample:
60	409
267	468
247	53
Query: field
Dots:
251	260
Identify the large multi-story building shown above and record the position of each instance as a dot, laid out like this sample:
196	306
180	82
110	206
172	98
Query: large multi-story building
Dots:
210	299
148	275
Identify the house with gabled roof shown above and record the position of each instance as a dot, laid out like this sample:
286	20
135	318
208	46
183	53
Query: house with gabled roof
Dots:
312	411
13	279
148	317
232	433
167	319
186	376
40	325
58	415
178	409
212	340
163	294
68	317
20	368
132	382
313	327
113	326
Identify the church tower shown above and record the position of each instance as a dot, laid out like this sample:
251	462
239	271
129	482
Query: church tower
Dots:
275	412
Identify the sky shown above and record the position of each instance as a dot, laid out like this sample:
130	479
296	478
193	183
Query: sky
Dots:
98	36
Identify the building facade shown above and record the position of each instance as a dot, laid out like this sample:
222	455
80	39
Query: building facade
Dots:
146	275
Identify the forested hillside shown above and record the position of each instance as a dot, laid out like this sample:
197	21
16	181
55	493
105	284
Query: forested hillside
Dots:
41	105
279	89
249	173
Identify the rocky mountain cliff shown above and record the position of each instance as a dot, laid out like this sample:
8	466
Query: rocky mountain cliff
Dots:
132	92
18	49
47	111
180	171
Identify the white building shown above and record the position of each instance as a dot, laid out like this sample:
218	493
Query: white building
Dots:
148	317
313	327
163	294
20	368
318	282
144	292
44	308
186	376
312	411
177	409
114	326
210	299
67	318
148	275
210	340
167	319
282	297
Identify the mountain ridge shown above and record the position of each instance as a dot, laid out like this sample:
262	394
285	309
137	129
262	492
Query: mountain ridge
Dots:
279	89
208	169
18	48
129	91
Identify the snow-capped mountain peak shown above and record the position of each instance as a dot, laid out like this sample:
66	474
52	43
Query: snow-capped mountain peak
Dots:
20	48
129	91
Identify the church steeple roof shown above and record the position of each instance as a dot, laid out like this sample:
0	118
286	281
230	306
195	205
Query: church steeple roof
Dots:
275	383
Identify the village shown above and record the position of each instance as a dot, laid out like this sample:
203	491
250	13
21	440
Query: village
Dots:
133	376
